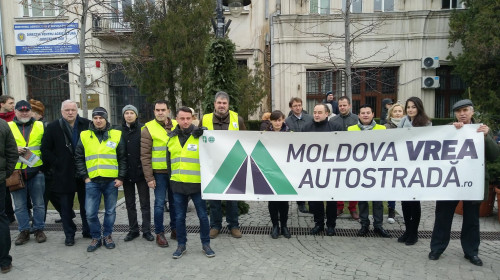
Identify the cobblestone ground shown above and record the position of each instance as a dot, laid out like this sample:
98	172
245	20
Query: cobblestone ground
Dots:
258	256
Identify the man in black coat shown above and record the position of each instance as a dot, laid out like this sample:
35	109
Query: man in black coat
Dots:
58	149
131	135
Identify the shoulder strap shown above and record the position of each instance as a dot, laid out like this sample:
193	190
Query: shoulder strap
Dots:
66	137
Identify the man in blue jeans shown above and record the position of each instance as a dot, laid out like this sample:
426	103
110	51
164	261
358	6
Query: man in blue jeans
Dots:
101	161
154	140
183	151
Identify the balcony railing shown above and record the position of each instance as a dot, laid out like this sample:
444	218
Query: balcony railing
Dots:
106	23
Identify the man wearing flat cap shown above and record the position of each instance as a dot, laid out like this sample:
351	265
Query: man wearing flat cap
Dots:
469	237
101	161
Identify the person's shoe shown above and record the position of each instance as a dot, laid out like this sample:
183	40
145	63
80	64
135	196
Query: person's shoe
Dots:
382	232
403	238
330	231
148	236
208	251
94	245
40	237
340	211
434	256
181	249
411	241
236	233
173	234
108	242
6	269
354	215
475	260
58	221
161	241
23	237
303	209
391	216
285	232
317	230
86	235
363	231
131	235
69	241
214	233
275	232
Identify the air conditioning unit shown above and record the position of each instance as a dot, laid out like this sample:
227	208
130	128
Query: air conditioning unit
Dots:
430	82
430	62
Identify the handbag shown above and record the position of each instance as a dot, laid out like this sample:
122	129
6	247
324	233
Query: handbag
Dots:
15	181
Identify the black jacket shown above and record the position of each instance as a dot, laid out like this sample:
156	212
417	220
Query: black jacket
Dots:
8	151
131	136
121	156
322	126
58	157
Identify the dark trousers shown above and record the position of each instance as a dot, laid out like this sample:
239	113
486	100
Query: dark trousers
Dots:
49	195
5	258
469	237
377	211
9	210
80	190
318	210
411	214
278	210
66	211
143	190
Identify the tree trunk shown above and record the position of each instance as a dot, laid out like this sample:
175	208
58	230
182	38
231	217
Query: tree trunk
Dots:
347	46
83	78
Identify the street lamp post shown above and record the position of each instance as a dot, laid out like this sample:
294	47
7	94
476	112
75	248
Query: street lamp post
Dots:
235	7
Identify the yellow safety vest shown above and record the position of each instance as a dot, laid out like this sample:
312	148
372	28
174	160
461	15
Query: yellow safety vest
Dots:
233	121
159	149
34	141
100	158
357	128
185	161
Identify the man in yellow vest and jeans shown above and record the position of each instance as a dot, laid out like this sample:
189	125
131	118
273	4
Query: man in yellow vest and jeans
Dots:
184	154
223	119
154	140
28	134
101	161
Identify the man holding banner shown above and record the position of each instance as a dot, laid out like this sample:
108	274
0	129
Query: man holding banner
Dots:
366	122
223	119
469	236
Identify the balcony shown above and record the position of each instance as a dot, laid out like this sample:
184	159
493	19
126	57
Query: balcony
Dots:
109	25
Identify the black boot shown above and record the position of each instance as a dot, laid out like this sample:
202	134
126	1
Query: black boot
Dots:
285	232
275	232
412	233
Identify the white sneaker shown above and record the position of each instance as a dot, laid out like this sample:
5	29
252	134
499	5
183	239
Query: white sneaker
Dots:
391	220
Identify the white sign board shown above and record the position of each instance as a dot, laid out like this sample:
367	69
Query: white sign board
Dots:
426	163
46	38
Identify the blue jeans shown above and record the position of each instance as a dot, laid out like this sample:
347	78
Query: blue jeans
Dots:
36	187
231	214
93	193
161	189
181	203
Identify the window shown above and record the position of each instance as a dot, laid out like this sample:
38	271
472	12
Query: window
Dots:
451	88
452	4
319	82
383	6
321	7
48	84
356	6
41	8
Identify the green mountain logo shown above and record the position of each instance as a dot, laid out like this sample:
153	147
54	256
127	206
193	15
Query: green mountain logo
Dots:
268	179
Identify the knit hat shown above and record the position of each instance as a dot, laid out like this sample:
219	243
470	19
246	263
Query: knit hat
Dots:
23	105
130	108
328	93
100	111
37	106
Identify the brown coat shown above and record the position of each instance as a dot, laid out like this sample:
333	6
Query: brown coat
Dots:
146	151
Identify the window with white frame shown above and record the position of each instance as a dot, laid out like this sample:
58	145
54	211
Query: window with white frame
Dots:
41	8
321	7
356	6
383	5
452	4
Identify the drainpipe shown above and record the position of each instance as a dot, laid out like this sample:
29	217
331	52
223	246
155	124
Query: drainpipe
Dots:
278	12
2	49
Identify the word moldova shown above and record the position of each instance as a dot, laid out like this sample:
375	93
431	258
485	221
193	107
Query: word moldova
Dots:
373	154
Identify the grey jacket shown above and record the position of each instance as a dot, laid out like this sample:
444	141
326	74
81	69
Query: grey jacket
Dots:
8	151
345	121
296	124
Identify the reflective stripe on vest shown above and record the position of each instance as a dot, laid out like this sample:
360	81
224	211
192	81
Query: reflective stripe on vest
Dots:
208	121
184	161
357	128
100	158
159	149
34	141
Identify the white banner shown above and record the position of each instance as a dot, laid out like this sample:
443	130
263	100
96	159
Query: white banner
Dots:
426	163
